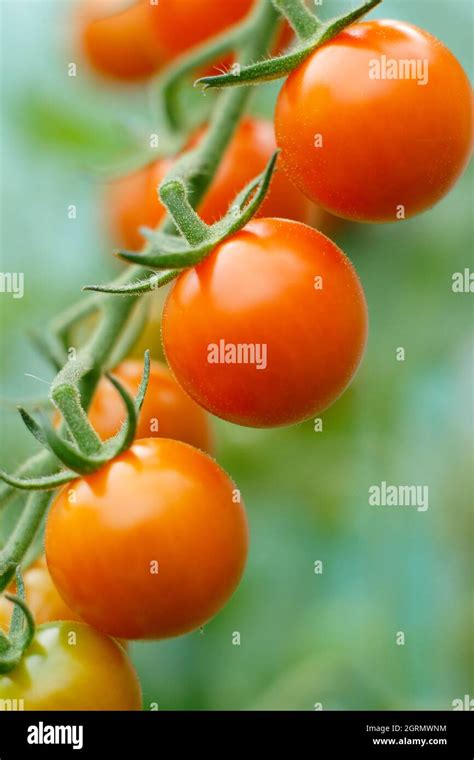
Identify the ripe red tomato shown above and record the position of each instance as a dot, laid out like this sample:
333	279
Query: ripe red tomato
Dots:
117	38
71	666
390	146
150	546
133	201
41	596
254	337
166	412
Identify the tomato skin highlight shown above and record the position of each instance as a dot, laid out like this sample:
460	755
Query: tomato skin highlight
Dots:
133	201
164	502
177	415
94	673
257	288
41	596
386	143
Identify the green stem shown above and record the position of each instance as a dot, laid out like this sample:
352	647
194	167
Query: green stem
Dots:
174	196
163	92
300	17
116	311
68	401
23	534
198	167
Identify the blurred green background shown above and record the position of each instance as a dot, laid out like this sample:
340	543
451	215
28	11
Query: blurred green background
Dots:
306	638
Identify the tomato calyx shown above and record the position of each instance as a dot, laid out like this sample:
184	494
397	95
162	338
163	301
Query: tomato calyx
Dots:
166	251
311	34
86	453
21	632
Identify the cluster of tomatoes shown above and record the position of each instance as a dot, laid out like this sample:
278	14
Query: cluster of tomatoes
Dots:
154	543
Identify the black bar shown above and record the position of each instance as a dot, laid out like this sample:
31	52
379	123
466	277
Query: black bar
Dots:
374	734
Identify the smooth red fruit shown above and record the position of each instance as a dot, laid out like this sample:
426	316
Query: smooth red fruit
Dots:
259	288
150	546
133	201
167	411
391	148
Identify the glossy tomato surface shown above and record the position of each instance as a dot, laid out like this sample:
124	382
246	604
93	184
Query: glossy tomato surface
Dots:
270	328
71	666
167	411
41	596
133	200
365	145
150	546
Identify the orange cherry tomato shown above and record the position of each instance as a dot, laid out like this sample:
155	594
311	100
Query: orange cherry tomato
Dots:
376	125
117	38
132	40
150	546
182	24
41	596
269	329
133	201
167	411
71	666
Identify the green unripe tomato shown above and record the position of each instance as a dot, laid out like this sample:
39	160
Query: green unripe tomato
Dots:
71	666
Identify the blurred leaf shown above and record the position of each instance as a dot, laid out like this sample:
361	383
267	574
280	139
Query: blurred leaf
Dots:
73	131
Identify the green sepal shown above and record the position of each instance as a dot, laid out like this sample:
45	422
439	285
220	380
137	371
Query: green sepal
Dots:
32	426
240	212
22	630
137	288
280	66
43	483
125	436
68	454
66	397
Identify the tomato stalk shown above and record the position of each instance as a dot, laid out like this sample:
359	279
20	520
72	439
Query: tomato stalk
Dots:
304	22
83	372
164	88
282	65
22	630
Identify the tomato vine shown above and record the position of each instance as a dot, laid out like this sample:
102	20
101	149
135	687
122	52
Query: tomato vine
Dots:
180	242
